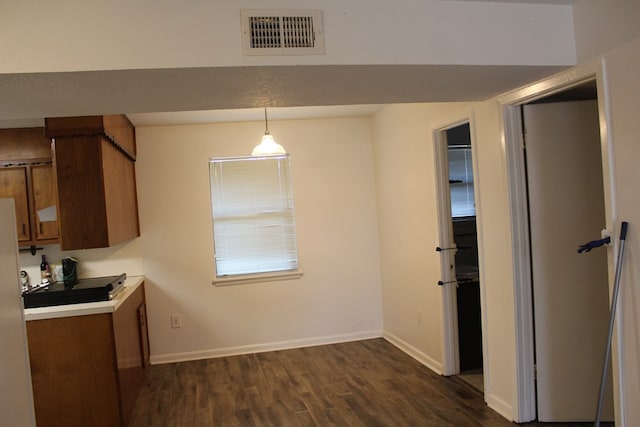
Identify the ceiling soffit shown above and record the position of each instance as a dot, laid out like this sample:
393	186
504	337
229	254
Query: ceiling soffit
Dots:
37	95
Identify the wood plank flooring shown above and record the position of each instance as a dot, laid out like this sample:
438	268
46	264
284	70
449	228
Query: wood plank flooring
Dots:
363	383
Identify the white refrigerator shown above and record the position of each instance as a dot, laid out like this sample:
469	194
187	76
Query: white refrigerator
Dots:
16	396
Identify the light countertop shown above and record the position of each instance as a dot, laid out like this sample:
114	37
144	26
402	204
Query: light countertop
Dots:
69	310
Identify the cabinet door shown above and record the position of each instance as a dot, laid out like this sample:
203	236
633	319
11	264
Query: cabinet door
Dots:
73	371
83	217
119	194
44	201
128	336
13	184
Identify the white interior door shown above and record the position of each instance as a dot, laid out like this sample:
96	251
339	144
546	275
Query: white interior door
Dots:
451	362
570	290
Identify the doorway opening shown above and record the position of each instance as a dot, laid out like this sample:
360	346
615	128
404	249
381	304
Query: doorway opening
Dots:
459	254
465	237
560	191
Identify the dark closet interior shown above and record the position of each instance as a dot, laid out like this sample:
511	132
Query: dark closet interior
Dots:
465	238
468	295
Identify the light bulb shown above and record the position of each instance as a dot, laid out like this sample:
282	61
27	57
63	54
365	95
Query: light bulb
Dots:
268	146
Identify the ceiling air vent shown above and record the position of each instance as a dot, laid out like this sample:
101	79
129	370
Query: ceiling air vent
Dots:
282	32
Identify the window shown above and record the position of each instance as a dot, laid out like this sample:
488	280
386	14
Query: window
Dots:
461	171
461	181
253	218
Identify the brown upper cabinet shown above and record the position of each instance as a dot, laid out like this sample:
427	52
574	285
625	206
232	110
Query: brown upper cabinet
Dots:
116	128
13	185
94	159
26	175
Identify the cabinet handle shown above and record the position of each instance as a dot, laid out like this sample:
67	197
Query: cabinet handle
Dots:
24	229
40	226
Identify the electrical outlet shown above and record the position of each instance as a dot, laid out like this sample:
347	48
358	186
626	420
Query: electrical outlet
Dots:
419	317
176	321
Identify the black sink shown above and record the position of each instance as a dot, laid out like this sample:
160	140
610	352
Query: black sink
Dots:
86	290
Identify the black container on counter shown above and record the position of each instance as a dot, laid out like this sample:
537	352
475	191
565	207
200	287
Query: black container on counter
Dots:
69	271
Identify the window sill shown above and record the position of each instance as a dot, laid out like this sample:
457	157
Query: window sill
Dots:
257	278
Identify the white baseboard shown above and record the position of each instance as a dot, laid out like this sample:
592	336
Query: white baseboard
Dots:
421	357
500	406
158	359
494	402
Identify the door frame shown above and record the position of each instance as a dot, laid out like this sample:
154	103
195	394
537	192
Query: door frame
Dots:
450	356
516	176
450	348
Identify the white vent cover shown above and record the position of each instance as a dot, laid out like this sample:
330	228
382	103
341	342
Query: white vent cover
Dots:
282	32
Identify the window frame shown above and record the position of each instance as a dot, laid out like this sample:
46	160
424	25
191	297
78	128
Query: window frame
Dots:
259	276
461	208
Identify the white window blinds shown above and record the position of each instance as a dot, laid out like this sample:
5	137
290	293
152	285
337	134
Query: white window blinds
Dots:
253	216
461	182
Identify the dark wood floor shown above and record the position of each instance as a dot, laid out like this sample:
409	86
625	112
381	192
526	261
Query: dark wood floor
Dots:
363	383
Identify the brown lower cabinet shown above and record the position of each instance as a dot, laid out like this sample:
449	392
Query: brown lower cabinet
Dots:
88	370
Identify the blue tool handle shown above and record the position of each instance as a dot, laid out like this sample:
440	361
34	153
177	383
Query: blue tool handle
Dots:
623	230
593	244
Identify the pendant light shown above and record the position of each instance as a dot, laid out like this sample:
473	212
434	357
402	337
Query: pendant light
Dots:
268	146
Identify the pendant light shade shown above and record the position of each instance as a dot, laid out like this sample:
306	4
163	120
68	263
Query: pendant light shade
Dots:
268	146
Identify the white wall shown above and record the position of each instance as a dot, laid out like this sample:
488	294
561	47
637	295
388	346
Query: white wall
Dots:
602	25
408	224
407	227
623	64
623	67
77	35
122	258
408	230
494	225
404	294
338	298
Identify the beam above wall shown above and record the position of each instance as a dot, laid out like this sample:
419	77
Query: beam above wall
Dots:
36	95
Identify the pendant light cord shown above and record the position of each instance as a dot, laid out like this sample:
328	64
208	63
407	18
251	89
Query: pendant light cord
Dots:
266	123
